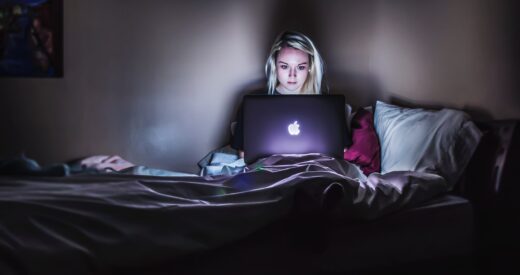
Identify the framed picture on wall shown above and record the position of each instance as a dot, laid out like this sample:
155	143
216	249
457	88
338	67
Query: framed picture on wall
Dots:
31	38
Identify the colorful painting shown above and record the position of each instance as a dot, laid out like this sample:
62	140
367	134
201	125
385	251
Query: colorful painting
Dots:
31	38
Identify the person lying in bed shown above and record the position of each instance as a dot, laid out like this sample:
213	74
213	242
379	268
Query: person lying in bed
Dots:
294	66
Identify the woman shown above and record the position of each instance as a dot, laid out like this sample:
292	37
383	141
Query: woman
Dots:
294	66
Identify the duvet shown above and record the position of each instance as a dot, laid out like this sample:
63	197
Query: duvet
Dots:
85	224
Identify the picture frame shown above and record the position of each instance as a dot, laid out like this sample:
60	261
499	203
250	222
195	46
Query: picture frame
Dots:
31	38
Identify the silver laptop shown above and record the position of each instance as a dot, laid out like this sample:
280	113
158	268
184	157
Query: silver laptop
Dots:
293	124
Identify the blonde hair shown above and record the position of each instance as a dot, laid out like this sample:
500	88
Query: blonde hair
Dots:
300	42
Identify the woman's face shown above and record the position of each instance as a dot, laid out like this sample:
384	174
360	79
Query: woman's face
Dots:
292	68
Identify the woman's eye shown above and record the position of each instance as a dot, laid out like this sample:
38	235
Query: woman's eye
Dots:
283	66
301	68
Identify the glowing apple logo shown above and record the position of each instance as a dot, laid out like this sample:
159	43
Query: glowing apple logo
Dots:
294	128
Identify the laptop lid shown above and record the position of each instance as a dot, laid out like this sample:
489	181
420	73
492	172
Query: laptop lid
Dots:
293	124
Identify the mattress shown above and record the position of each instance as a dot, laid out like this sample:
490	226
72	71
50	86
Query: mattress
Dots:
439	229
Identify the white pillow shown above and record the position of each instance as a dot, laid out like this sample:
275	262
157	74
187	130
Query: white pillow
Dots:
440	142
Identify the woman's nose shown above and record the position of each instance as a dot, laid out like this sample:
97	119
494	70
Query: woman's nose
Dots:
292	72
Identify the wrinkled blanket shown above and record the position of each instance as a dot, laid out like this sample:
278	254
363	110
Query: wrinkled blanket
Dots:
96	223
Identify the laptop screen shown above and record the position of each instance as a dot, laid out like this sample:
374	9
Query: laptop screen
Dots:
293	124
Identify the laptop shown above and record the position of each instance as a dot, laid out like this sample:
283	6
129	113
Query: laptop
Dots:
293	124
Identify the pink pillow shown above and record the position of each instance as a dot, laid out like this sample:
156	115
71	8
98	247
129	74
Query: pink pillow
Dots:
365	150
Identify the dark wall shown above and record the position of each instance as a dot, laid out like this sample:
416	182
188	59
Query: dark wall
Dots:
457	54
451	53
157	82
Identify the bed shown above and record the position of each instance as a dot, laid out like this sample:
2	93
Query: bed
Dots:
300	214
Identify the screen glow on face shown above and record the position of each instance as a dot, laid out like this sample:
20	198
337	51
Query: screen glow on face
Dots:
292	68
294	128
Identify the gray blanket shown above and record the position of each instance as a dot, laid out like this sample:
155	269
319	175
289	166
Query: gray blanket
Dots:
95	223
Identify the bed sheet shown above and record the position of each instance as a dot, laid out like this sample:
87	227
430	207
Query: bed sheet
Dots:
87	224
